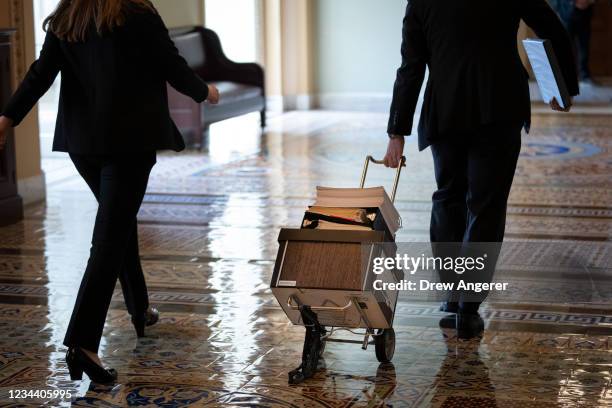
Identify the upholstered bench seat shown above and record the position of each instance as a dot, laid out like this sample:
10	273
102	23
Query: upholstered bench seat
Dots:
241	85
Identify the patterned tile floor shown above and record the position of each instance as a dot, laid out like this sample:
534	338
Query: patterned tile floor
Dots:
208	234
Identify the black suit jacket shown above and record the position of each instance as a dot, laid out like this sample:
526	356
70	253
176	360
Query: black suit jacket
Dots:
475	73
113	96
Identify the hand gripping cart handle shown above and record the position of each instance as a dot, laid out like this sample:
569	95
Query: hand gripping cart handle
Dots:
398	173
317	335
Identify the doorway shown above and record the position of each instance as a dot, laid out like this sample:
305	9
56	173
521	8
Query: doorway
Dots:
53	164
237	22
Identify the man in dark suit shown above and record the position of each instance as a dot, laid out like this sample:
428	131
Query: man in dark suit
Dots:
476	104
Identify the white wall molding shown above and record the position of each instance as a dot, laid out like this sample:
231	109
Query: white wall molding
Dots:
299	102
32	189
275	103
360	102
305	102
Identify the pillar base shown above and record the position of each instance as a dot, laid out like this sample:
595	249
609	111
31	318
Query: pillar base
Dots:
11	210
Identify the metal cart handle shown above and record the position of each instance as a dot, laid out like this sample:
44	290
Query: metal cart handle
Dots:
397	174
320	308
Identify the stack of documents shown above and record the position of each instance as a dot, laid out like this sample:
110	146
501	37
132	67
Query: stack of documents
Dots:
339	218
547	71
354	206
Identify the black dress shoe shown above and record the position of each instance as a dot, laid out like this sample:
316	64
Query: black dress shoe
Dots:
448	322
449	307
150	317
79	362
469	325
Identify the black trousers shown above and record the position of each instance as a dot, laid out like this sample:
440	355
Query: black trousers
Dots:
474	174
579	28
119	184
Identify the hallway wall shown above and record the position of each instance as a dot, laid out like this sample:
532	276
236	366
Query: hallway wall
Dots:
190	12
357	51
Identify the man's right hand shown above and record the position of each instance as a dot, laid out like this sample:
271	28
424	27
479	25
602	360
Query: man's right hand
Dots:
213	95
5	124
554	105
395	151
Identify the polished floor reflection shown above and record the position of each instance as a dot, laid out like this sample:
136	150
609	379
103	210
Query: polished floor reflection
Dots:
208	232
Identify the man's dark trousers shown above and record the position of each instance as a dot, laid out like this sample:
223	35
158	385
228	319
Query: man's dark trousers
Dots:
474	173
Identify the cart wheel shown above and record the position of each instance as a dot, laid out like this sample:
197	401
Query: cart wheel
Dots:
296	377
385	345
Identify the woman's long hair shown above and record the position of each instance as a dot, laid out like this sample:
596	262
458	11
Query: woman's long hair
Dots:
72	18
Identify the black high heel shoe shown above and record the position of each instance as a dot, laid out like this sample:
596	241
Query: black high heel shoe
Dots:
79	362
150	317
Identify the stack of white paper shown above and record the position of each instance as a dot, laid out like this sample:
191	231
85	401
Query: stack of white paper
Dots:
375	197
547	72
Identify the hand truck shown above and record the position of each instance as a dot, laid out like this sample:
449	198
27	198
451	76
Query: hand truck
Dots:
317	336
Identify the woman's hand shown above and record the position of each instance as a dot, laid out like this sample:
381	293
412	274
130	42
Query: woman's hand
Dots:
5	124
213	95
395	151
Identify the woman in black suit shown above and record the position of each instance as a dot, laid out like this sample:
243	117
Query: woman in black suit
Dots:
115	57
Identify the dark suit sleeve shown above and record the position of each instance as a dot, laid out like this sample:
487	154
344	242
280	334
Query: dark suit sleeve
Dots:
37	81
544	21
410	75
174	67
